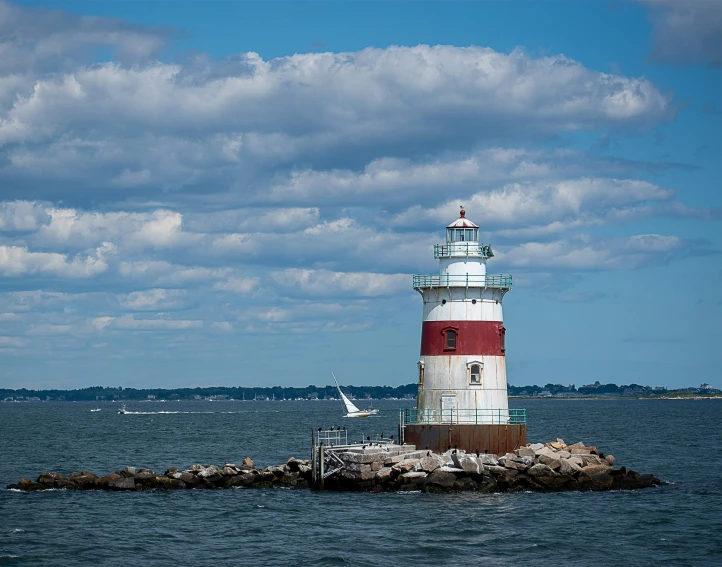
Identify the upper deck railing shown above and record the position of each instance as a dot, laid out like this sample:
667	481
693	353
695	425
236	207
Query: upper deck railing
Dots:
462	280
462	250
472	415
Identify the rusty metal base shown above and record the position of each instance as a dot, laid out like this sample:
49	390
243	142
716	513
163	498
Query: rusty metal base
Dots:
495	439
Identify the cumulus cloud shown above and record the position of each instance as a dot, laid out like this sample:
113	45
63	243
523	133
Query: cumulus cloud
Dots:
686	32
18	261
232	127
586	253
130	322
237	285
153	300
327	283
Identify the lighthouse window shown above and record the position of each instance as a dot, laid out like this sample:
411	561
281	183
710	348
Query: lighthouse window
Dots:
450	339
502	339
475	374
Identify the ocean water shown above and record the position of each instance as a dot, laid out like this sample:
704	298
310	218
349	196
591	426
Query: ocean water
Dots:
679	523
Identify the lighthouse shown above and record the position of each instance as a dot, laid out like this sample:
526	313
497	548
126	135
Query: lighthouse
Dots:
462	398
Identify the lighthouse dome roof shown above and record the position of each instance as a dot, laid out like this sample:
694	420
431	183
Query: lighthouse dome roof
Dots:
462	222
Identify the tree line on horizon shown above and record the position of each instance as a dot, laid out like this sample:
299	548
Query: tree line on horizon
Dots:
101	393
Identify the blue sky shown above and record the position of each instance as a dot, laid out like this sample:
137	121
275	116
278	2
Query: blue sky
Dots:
237	193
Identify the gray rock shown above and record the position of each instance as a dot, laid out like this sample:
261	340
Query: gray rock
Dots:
525	452
248	463
551	462
209	471
610	460
576	460
449	469
579	450
471	465
123	483
568	467
563	454
591	460
488	459
515	464
541	470
406	466
545	451
384	474
188	478
129	471
441	478
536	446
414	475
495	469
431	463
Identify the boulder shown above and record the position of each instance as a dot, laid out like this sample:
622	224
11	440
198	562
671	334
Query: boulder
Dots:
122	483
568	467
104	481
579	450
596	470
195	468
541	470
552	462
536	446
577	460
188	478
127	471
488	459
248	463
610	460
413	475
515	464
441	478
563	454
50	478
405	466
525	452
430	463
86	480
545	451
384	474
495	469
294	465
471	465
243	479
209	471
591	460
170	470
229	471
451	470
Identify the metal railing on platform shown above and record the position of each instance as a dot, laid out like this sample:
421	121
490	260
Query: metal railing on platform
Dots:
463	249
330	437
410	416
462	280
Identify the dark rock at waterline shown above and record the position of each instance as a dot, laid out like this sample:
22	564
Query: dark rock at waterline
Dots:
550	467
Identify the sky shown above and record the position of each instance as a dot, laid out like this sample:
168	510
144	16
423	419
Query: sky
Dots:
238	193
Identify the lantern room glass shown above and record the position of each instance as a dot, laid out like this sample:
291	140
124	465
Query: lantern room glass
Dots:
462	235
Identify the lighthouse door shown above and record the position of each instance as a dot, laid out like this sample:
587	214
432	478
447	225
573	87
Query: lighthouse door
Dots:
448	408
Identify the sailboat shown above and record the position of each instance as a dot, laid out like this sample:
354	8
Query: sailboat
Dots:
351	409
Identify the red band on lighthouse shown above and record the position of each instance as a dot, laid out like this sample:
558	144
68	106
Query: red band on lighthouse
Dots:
472	338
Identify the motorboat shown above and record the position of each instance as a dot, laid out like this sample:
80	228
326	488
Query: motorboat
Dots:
351	409
122	409
96	408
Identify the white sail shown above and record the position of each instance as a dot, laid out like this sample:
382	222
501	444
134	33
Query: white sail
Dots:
350	408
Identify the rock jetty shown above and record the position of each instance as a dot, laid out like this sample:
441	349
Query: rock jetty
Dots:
539	467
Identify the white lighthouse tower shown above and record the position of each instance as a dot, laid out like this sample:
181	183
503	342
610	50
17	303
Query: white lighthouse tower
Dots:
462	399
